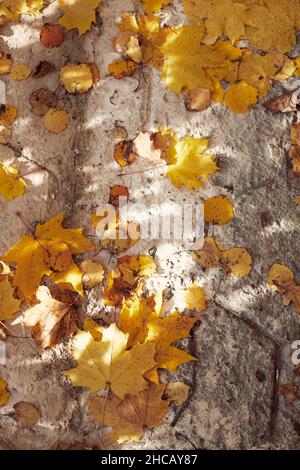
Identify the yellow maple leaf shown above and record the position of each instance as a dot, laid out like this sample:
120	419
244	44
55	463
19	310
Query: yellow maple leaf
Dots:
240	97
227	18
130	417
78	14
48	253
107	363
192	164
4	394
11	183
9	305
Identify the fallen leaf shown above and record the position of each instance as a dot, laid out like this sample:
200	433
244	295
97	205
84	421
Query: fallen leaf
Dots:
48	253
5	64
93	273
218	210
27	415
144	147
79	14
4	394
123	153
43	68
41	100
288	102
295	147
198	99
11	182
121	68
20	72
129	418
9	305
52	319
52	35
5	134
240	97
8	115
282	279
236	261
192	164
108	364
56	120
77	78
194	298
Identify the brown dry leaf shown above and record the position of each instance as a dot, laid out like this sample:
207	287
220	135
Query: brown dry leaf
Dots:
123	153
127	278
295	147
8	115
20	72
56	120
41	100
27	415
289	392
43	68
144	147
51	320
4	394
52	35
236	261
93	273
116	192
286	103
129	417
218	210
198	99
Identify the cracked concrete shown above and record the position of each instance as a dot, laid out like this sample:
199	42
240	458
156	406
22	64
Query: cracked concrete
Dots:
244	339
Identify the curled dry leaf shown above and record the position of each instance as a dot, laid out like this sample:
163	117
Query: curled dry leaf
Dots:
123	153
20	72
198	99
288	102
53	319
52	35
4	394
56	120
11	182
282	279
43	68
41	100
236	261
8	115
218	210
93	273
27	415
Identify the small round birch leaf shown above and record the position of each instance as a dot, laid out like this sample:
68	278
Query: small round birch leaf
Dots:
238	261
7	115
56	120
240	97
5	134
20	72
279	274
218	210
27	415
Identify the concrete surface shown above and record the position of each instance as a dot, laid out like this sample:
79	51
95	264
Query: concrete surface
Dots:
244	340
